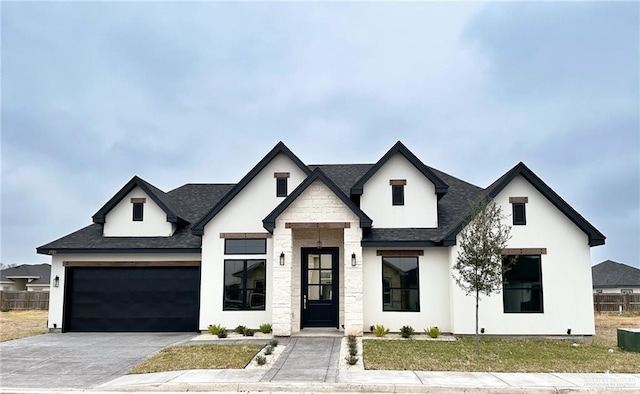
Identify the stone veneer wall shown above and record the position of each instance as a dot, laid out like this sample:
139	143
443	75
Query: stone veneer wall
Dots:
316	204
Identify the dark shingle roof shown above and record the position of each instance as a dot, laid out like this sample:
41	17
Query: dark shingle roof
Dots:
612	274
40	271
192	200
343	175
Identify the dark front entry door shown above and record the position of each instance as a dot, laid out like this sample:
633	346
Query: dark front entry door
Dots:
320	287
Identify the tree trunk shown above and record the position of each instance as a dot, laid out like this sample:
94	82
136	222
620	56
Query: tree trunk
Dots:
477	338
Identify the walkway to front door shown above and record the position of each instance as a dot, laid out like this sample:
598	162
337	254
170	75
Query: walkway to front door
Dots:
307	360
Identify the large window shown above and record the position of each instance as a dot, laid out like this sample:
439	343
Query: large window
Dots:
244	284
400	284
522	288
245	246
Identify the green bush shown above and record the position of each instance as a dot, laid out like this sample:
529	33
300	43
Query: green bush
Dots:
214	329
248	332
351	360
433	332
5	307
261	360
407	331
273	343
379	330
265	328
222	332
240	329
268	350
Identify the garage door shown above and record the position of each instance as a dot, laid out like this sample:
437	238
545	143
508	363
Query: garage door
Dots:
141	299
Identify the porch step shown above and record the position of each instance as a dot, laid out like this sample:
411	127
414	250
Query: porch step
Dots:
319	332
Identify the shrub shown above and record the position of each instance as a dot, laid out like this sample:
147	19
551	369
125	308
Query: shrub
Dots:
379	330
351	360
265	328
273	343
261	360
406	331
214	329
222	332
353	351
5	307
433	332
268	350
240	329
248	332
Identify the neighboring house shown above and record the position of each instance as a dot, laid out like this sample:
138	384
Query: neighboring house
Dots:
615	278
26	277
337	245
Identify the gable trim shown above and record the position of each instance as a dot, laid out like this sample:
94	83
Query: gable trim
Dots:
269	222
172	217
595	237
441	187
198	228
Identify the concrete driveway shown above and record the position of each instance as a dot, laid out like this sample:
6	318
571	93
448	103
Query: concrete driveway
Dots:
77	360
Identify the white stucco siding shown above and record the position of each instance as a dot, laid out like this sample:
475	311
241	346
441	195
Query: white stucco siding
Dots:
243	214
434	282
56	294
119	221
420	200
566	274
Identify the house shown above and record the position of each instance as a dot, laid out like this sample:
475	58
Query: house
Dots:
26	277
343	246
615	278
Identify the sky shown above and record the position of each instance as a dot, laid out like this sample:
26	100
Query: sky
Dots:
94	93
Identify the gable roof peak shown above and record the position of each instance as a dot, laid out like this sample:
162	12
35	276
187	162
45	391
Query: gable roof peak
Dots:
279	148
269	222
399	147
161	198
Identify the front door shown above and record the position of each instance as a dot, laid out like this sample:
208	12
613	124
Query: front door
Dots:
320	287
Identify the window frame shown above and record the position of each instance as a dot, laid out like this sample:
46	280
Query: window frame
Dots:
516	219
397	195
281	187
506	290
244	252
138	207
247	292
388	290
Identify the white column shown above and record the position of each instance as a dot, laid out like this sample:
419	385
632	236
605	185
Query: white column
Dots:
353	282
281	287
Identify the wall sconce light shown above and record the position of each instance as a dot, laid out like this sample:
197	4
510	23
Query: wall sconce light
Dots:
56	281
319	243
353	259
281	258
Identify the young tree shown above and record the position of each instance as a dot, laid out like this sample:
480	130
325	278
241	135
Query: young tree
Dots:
478	269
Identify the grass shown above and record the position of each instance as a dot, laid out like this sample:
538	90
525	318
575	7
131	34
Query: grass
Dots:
178	358
509	355
22	324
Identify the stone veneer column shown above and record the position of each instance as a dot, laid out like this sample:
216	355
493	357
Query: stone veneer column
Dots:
281	287
353	282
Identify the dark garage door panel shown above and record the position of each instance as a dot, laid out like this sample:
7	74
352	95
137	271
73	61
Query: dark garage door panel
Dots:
139	299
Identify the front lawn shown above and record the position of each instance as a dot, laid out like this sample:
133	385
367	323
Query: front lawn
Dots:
509	355
178	358
21	324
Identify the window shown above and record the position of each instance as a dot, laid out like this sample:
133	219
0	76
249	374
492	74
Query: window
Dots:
244	284
245	246
522	284
138	211
519	216
626	291
281	183
400	284
519	211
397	191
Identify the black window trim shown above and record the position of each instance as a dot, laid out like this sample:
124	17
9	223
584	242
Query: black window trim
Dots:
282	187
400	200
245	289
504	291
517	222
140	210
226	252
390	288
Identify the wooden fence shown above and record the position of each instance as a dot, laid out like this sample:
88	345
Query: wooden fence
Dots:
616	302
21	300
